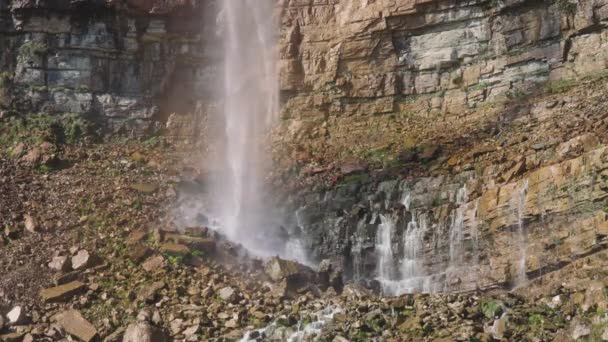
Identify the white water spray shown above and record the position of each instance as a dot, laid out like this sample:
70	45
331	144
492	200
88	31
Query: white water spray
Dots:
250	107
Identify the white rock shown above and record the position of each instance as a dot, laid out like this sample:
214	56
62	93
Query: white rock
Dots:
16	315
30	223
60	263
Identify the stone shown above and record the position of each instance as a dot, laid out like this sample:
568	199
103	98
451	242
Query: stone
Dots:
12	337
16	316
605	335
31	225
498	328
154	263
62	293
199	232
83	260
11	232
116	336
76	325
175	249
580	330
139	252
429	153
145	188
143	332
136	237
278	269
148	293
227	294
60	263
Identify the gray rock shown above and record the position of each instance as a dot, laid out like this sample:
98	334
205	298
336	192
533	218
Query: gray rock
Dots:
580	330
60	263
227	294
143	332
83	259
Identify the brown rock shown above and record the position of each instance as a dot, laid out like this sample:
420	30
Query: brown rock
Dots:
154	263
62	293
136	237
143	332
76	325
12	337
148	293
139	252
145	188
175	249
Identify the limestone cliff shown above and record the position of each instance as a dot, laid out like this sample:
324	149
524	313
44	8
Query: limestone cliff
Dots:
361	75
121	63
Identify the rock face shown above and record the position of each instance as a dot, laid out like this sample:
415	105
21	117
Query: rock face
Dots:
120	63
360	75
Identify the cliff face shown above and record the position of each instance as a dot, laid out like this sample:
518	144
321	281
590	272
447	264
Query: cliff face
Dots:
120	63
366	75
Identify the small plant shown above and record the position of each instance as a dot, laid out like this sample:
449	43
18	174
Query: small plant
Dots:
560	86
31	49
491	308
536	321
353	179
516	93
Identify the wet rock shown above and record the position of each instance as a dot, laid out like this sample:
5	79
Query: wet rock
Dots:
76	325
199	232
278	269
228	294
154	263
16	316
143	332
83	260
62	293
31	224
61	263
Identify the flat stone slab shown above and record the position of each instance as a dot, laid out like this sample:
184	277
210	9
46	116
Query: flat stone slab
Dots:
62	293
76	325
175	249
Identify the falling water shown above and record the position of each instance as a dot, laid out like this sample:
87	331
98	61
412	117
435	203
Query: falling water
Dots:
521	277
250	106
384	250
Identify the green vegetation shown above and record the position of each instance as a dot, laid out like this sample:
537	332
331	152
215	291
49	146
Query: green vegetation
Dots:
491	308
479	86
352	179
560	86
31	49
516	94
567	6
35	128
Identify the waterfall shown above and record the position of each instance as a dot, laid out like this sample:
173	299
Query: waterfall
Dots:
522	193
250	106
384	250
457	229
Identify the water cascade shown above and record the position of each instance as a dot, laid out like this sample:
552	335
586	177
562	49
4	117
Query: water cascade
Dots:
250	107
384	251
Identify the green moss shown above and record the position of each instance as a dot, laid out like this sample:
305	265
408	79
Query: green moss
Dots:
560	86
491	308
352	179
31	49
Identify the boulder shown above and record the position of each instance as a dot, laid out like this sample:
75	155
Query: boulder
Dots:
154	263
278	269
175	249
148	293
143	332
76	325
139	252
